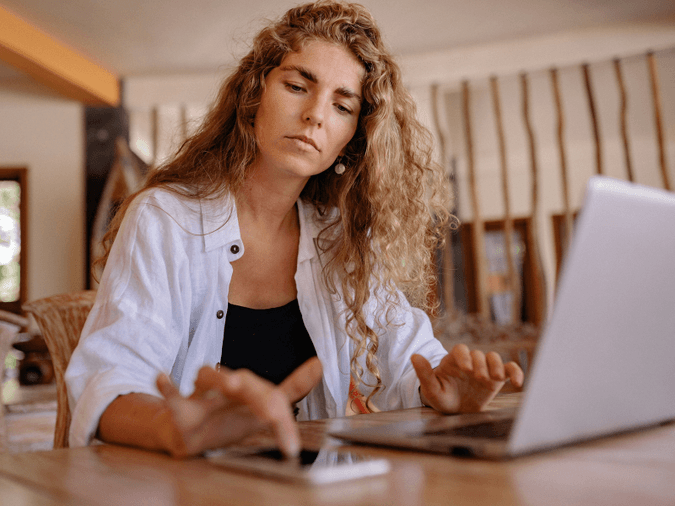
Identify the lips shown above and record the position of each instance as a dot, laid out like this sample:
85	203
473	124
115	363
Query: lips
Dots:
305	139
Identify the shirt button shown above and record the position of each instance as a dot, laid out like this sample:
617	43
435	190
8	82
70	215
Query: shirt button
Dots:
220	314
234	249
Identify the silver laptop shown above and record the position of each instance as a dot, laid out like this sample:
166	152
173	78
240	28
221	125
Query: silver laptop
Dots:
606	361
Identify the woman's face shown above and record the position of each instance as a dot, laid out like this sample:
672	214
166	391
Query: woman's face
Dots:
309	110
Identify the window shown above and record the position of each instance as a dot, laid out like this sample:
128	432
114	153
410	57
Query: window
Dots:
500	293
12	238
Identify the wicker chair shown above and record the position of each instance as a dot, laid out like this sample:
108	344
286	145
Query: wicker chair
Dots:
10	325
60	319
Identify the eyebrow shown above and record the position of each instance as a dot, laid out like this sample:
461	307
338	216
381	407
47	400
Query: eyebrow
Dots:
310	76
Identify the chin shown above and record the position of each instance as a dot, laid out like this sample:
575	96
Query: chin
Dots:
303	172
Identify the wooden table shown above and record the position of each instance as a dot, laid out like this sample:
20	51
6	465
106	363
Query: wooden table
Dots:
633	469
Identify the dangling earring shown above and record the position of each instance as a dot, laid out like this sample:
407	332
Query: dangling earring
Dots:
340	168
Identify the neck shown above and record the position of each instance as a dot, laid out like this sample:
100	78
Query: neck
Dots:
269	203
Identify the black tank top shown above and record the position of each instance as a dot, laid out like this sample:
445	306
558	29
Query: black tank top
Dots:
270	342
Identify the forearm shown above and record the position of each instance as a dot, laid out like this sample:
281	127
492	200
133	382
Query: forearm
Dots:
136	419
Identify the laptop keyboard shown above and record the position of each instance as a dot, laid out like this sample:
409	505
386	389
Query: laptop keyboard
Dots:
494	429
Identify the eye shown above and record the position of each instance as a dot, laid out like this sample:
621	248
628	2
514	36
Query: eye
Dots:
294	87
343	109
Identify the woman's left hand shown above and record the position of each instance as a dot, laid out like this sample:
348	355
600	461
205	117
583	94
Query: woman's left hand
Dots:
465	381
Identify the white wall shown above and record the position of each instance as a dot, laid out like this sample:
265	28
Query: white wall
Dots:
172	98
46	134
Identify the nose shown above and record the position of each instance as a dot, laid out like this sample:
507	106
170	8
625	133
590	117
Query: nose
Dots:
314	112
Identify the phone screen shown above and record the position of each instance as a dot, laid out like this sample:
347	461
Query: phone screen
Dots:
312	467
306	457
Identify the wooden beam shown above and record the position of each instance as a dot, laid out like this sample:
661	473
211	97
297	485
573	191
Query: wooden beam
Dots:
532	240
52	63
480	260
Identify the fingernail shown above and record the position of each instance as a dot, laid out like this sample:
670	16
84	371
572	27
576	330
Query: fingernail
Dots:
233	381
291	446
293	449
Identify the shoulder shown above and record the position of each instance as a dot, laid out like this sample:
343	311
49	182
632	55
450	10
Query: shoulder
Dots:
168	200
175	205
158	215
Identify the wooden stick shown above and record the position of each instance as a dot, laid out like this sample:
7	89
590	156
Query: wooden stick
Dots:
482	302
514	279
532	240
656	98
623	115
154	125
567	211
594	117
183	123
447	264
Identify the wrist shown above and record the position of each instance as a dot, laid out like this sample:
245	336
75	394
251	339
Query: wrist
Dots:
424	402
164	434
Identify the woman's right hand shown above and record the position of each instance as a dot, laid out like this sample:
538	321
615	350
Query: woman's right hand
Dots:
227	406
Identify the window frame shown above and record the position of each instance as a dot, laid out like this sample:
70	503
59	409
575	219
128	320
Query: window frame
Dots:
466	231
20	175
558	223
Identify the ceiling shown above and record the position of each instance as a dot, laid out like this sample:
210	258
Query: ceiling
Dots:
143	37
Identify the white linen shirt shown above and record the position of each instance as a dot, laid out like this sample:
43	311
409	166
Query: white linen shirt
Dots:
162	303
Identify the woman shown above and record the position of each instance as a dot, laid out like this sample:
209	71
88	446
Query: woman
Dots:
307	201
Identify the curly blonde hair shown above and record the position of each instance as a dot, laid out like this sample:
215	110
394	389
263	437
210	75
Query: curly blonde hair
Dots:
392	203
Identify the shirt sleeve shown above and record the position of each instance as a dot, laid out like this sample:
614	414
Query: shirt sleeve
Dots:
405	331
134	329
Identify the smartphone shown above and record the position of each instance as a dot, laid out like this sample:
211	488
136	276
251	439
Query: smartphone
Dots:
310	467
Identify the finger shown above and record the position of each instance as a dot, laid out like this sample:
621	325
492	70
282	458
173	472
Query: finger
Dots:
480	369
495	366
209	386
166	387
182	410
238	386
430	386
280	416
301	381
424	371
461	356
206	380
515	374
449	367
268	403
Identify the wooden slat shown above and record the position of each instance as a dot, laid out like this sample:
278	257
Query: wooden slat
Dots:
53	64
532	239
594	117
482	302
514	279
564	176
447	264
656	100
623	118
154	125
183	123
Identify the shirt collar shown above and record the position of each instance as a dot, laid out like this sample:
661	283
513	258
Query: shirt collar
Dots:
309	231
220	226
